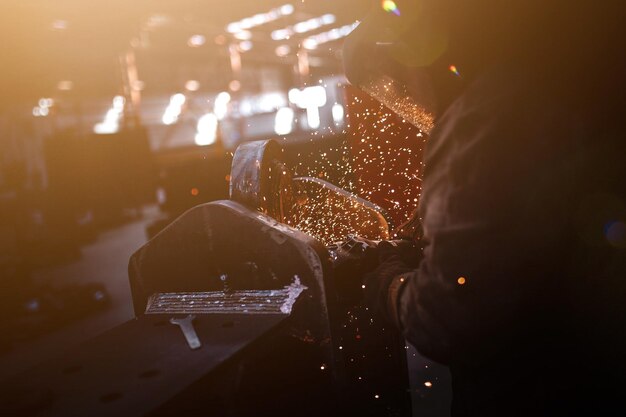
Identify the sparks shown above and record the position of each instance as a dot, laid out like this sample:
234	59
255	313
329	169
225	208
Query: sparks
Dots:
393	157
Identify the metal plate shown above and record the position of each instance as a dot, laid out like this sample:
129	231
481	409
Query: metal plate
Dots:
221	302
133	368
260	180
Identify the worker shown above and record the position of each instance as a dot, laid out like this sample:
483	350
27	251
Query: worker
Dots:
520	283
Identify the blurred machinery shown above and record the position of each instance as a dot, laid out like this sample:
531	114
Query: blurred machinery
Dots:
103	175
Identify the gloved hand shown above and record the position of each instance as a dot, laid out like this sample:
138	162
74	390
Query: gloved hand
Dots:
405	250
410	229
364	268
396	257
355	250
352	259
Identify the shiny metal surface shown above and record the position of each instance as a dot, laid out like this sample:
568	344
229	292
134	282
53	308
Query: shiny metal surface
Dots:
186	325
260	180
220	302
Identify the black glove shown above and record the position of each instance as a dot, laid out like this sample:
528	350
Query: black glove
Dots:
352	259
404	250
396	258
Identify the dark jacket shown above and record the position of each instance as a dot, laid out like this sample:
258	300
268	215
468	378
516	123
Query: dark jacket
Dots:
522	285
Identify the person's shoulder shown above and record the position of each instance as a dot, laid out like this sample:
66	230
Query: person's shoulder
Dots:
500	88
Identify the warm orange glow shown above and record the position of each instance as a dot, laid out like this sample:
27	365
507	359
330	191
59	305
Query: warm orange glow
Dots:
461	280
234	85
195	191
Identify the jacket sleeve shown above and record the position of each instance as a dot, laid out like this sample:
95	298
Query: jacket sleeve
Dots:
494	220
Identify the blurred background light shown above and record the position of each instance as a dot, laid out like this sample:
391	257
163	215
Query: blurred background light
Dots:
307	97
234	85
206	130
303	27
282	50
283	121
260	19
338	113
196	41
220	108
111	122
65	85
59	24
243	35
173	110
138	85
192	85
245	46
332	35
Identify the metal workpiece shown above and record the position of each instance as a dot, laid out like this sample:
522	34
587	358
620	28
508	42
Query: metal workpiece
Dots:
216	252
235	257
222	258
331	213
260	180
227	302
